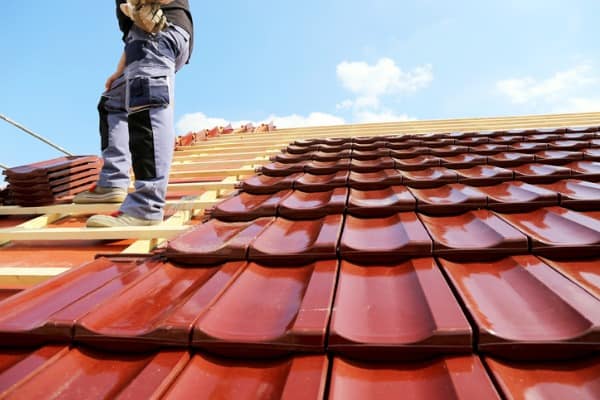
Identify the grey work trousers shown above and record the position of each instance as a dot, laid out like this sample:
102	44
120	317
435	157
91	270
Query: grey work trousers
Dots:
137	127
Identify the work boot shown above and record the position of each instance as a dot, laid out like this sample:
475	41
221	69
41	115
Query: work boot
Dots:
118	219
99	194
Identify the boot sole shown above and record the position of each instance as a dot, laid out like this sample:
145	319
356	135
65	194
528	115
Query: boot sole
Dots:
99	198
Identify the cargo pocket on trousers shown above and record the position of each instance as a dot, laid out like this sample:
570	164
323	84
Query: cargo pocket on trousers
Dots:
148	92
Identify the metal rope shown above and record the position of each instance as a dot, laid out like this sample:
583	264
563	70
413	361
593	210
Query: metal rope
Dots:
35	135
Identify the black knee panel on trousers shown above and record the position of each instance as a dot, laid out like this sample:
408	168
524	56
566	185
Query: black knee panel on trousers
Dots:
141	145
103	123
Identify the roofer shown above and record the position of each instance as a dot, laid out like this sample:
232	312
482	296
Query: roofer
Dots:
136	111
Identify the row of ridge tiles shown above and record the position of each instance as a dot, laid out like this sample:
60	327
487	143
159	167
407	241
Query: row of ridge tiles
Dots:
43	373
481	234
406	311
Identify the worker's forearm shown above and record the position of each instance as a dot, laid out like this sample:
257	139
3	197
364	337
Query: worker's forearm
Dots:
121	65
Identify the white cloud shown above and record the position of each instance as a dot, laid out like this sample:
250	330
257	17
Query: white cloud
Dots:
195	122
384	116
557	89
579	105
385	77
198	121
313	119
369	84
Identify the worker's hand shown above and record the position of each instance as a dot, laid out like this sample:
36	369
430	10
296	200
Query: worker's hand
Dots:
111	79
117	73
146	15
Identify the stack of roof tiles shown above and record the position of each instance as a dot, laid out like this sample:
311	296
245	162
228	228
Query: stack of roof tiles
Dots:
51	181
191	138
459	265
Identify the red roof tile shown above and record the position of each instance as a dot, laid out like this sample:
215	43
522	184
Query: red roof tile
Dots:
387	239
415	246
460	377
567	322
396	312
567	380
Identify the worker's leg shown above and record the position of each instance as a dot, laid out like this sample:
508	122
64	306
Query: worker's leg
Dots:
152	61
114	137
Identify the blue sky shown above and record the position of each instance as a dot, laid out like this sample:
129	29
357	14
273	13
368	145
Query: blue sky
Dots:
303	63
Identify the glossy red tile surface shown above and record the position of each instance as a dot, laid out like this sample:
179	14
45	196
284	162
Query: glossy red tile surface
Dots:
403	144
282	169
454	198
541	173
263	184
543	137
16	365
335	148
475	234
307	205
44	168
374	165
506	139
297	242
215	241
451	150
368	140
488	149
396	312
510	159
518	196
384	240
410	152
372	154
380	203
428	178
132	319
568	144
591	154
291	314
329	156
556	318
577	129
473	140
55	184
34	316
295	149
374	180
6	293
559	232
481	175
566	380
585	272
291	158
529	147
558	157
466	160
319	183
443	378
81	373
439	142
586	170
416	163
576	194
327	167
302	378
246	207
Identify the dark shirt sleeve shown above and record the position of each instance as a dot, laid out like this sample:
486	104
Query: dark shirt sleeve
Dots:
124	22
